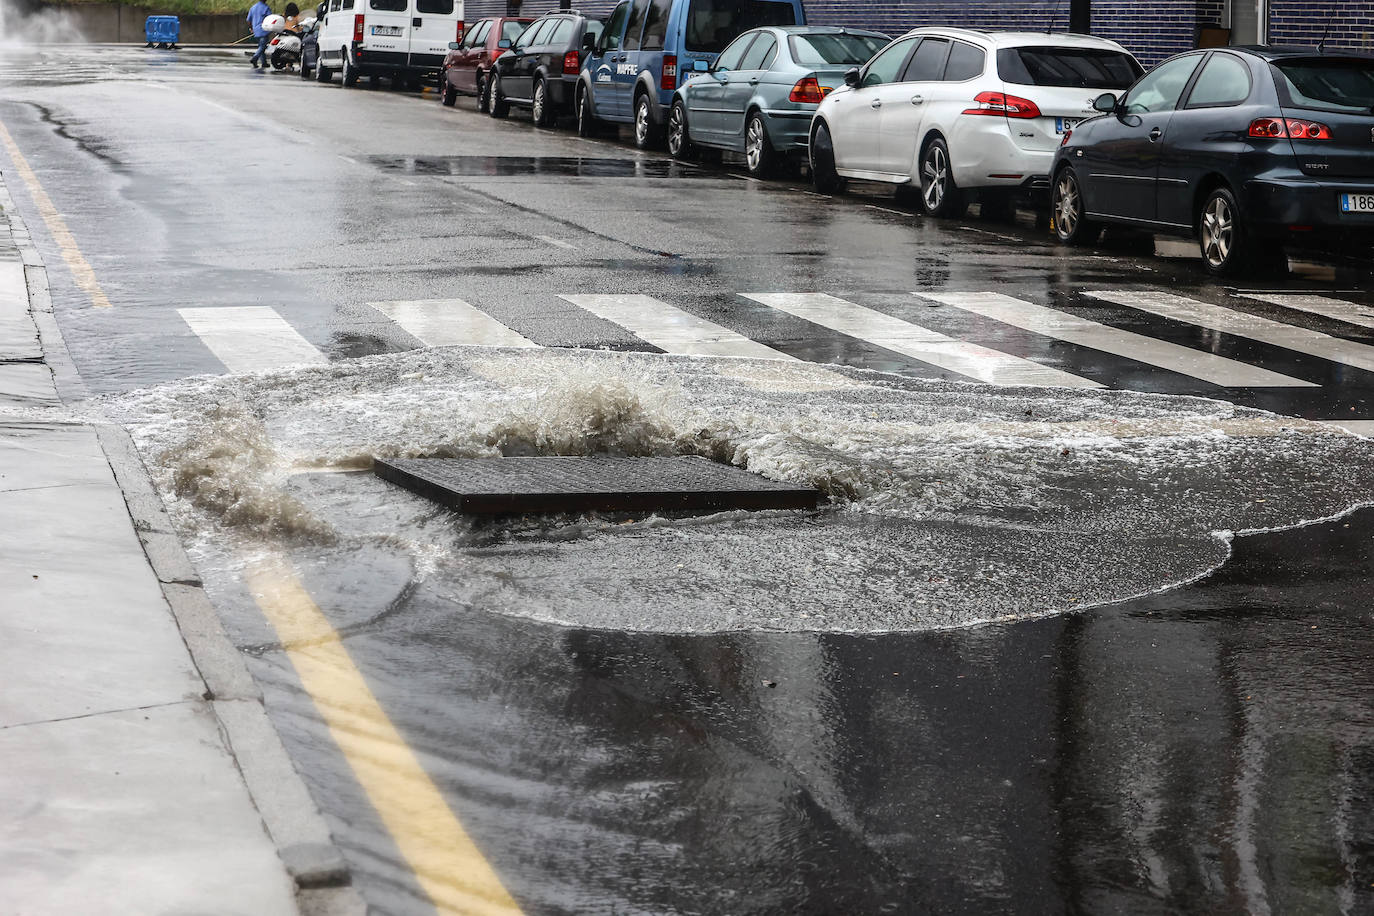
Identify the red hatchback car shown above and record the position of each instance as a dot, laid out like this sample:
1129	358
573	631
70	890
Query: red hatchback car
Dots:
467	67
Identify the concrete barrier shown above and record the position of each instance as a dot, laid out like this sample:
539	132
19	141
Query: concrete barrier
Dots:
116	22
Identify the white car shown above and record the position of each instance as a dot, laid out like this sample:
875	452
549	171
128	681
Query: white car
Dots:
954	111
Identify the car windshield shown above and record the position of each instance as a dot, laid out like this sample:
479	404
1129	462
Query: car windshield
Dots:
1332	84
823	50
1087	68
713	24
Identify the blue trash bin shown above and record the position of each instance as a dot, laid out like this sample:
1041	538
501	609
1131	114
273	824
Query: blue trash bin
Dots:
162	31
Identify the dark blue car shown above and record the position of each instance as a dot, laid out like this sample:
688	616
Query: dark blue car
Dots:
648	46
1248	149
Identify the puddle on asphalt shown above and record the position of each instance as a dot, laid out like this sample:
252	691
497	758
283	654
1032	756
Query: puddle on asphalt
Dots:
953	504
537	166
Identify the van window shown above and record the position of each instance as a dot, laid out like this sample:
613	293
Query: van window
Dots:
928	63
389	6
713	24
656	25
333	6
348	4
613	27
637	13
761	53
434	7
511	29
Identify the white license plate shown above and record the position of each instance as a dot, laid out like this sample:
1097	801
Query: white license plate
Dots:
1063	124
391	30
1357	203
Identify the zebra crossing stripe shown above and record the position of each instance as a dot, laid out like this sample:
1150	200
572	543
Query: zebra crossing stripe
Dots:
671	329
1349	312
966	359
1074	329
251	338
450	323
1242	324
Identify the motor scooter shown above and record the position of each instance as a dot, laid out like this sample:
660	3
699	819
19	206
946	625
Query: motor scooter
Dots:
284	50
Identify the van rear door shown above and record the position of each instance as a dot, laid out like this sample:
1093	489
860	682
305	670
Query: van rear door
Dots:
386	31
433	24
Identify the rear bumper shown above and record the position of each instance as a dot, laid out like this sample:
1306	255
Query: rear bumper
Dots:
397	62
789	129
1300	206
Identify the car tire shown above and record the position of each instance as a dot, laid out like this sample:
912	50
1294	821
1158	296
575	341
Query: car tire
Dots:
586	121
760	159
483	95
680	145
448	96
1066	211
647	133
940	196
322	73
540	110
304	70
350	72
821	156
1227	247
497	106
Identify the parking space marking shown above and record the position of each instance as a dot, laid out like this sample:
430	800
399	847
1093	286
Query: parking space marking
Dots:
1073	329
450	323
969	360
1242	324
1349	312
1358	427
557	243
251	338
447	864
671	329
57	226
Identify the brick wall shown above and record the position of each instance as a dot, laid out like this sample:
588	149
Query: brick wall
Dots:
1154	29
1301	22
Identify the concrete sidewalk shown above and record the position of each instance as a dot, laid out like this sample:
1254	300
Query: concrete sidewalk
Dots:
138	771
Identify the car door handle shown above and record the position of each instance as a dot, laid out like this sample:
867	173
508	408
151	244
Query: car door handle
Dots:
415	22
1155	134
876	103
916	100
724	81
753	82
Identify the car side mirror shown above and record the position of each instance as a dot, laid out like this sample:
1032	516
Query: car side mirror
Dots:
588	42
455	46
852	78
503	43
1106	103
321	10
701	66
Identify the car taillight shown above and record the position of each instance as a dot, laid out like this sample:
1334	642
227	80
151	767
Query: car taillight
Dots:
807	91
669	80
572	63
1067	134
1295	128
358	27
462	30
275	41
999	103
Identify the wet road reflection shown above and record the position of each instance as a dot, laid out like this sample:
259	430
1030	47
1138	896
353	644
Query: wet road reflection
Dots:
536	167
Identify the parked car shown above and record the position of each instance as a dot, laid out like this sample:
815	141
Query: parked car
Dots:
467	67
960	113
541	69
1246	148
760	94
310	42
405	40
631	74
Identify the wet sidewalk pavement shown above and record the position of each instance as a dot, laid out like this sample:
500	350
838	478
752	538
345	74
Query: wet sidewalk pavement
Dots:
140	773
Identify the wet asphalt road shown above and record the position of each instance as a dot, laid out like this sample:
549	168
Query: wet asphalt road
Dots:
1209	750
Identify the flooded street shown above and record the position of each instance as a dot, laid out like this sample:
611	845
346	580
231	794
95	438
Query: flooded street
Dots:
1083	625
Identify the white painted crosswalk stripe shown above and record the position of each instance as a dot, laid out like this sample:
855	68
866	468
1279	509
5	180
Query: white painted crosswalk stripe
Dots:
450	323
1349	312
251	338
1080	331
966	359
670	328
1241	324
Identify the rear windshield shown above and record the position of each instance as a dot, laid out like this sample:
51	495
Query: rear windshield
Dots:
713	24
822	50
1329	84
390	6
434	7
1087	68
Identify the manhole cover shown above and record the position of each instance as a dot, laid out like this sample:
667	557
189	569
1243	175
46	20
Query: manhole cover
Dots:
509	486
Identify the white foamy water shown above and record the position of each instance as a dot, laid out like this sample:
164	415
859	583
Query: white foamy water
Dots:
951	504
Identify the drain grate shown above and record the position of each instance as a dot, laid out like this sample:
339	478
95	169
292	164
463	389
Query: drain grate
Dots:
527	486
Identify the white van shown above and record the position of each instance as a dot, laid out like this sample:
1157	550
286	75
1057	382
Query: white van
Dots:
405	40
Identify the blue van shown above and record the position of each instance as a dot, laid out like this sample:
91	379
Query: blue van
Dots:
648	46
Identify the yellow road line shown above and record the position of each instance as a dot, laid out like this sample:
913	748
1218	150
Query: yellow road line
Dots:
445	860
66	243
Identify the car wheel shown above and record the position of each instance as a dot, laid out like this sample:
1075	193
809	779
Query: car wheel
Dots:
322	73
278	62
759	156
1226	246
586	121
483	94
1066	210
305	71
350	72
448	95
540	111
940	197
497	105
822	158
646	132
680	145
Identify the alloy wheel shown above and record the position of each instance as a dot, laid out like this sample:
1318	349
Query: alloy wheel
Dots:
753	144
538	112
677	131
642	123
1218	231
1066	211
935	177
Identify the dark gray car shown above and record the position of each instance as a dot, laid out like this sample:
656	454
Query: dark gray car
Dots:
759	95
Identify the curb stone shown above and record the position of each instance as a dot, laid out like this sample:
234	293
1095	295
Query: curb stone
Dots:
289	814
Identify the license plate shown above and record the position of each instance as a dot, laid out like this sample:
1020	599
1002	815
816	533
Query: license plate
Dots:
1357	203
391	30
1063	124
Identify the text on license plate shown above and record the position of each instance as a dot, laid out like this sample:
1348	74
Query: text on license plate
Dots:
1357	203
386	30
1063	124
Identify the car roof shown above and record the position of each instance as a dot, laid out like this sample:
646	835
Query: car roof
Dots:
819	30
1278	52
1020	39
